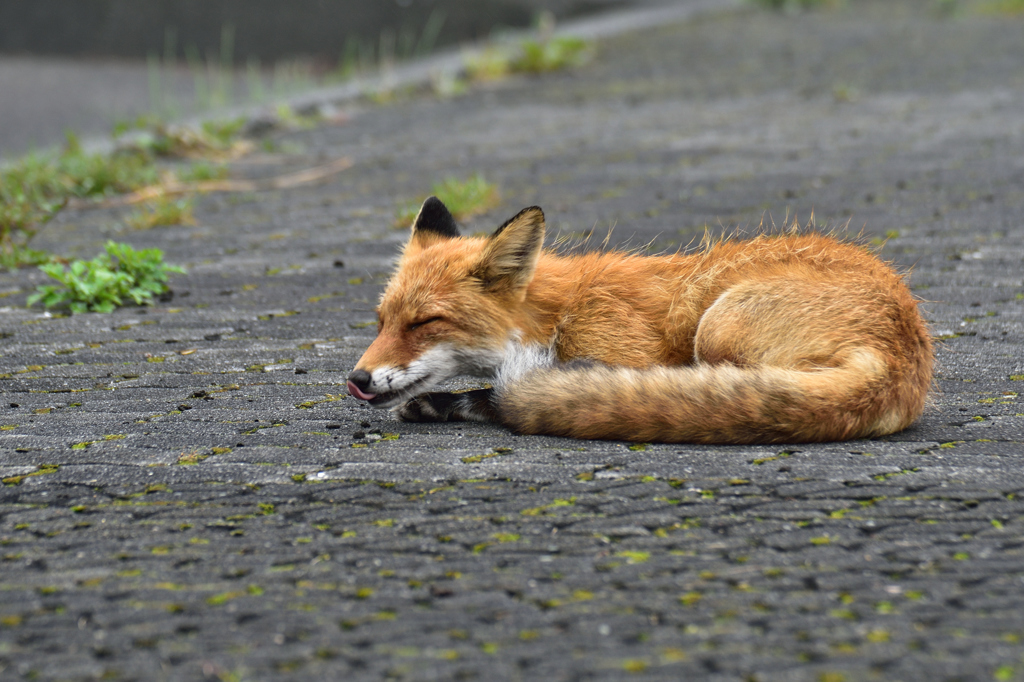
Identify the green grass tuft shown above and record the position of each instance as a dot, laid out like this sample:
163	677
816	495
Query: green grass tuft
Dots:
464	198
542	56
202	171
529	56
162	211
212	138
35	188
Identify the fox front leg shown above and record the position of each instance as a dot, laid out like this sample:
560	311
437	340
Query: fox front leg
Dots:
471	406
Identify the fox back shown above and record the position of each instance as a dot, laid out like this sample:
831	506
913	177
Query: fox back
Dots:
782	338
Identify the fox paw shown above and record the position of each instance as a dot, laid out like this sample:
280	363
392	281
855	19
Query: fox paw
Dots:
421	409
449	407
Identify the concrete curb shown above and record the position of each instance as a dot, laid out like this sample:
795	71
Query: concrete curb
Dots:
450	61
420	72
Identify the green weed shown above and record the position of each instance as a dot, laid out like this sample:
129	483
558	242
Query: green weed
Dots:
35	188
529	56
125	126
86	175
15	255
102	284
492	63
223	132
212	139
162	211
464	198
202	171
288	118
541	56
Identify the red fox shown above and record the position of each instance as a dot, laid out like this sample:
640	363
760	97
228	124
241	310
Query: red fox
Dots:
781	338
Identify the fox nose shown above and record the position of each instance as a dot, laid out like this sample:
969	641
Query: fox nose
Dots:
358	383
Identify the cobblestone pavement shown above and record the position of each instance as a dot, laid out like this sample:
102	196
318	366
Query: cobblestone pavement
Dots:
190	495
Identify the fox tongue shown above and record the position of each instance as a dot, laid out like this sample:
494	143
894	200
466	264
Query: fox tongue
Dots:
354	390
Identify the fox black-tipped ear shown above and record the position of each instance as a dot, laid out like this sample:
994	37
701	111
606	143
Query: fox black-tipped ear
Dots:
434	219
510	257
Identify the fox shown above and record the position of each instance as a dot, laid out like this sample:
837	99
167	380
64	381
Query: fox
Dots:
788	337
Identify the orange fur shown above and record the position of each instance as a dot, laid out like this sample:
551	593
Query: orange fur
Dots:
781	338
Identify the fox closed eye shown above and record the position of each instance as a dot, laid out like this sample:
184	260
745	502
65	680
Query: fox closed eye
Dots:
417	325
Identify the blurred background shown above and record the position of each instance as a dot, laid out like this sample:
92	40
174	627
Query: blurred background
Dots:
87	64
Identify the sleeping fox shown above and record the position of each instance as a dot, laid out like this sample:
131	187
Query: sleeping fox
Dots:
781	338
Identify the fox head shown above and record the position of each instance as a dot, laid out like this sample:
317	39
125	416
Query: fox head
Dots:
452	307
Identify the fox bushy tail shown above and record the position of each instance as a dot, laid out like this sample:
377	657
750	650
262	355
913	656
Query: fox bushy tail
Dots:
715	403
